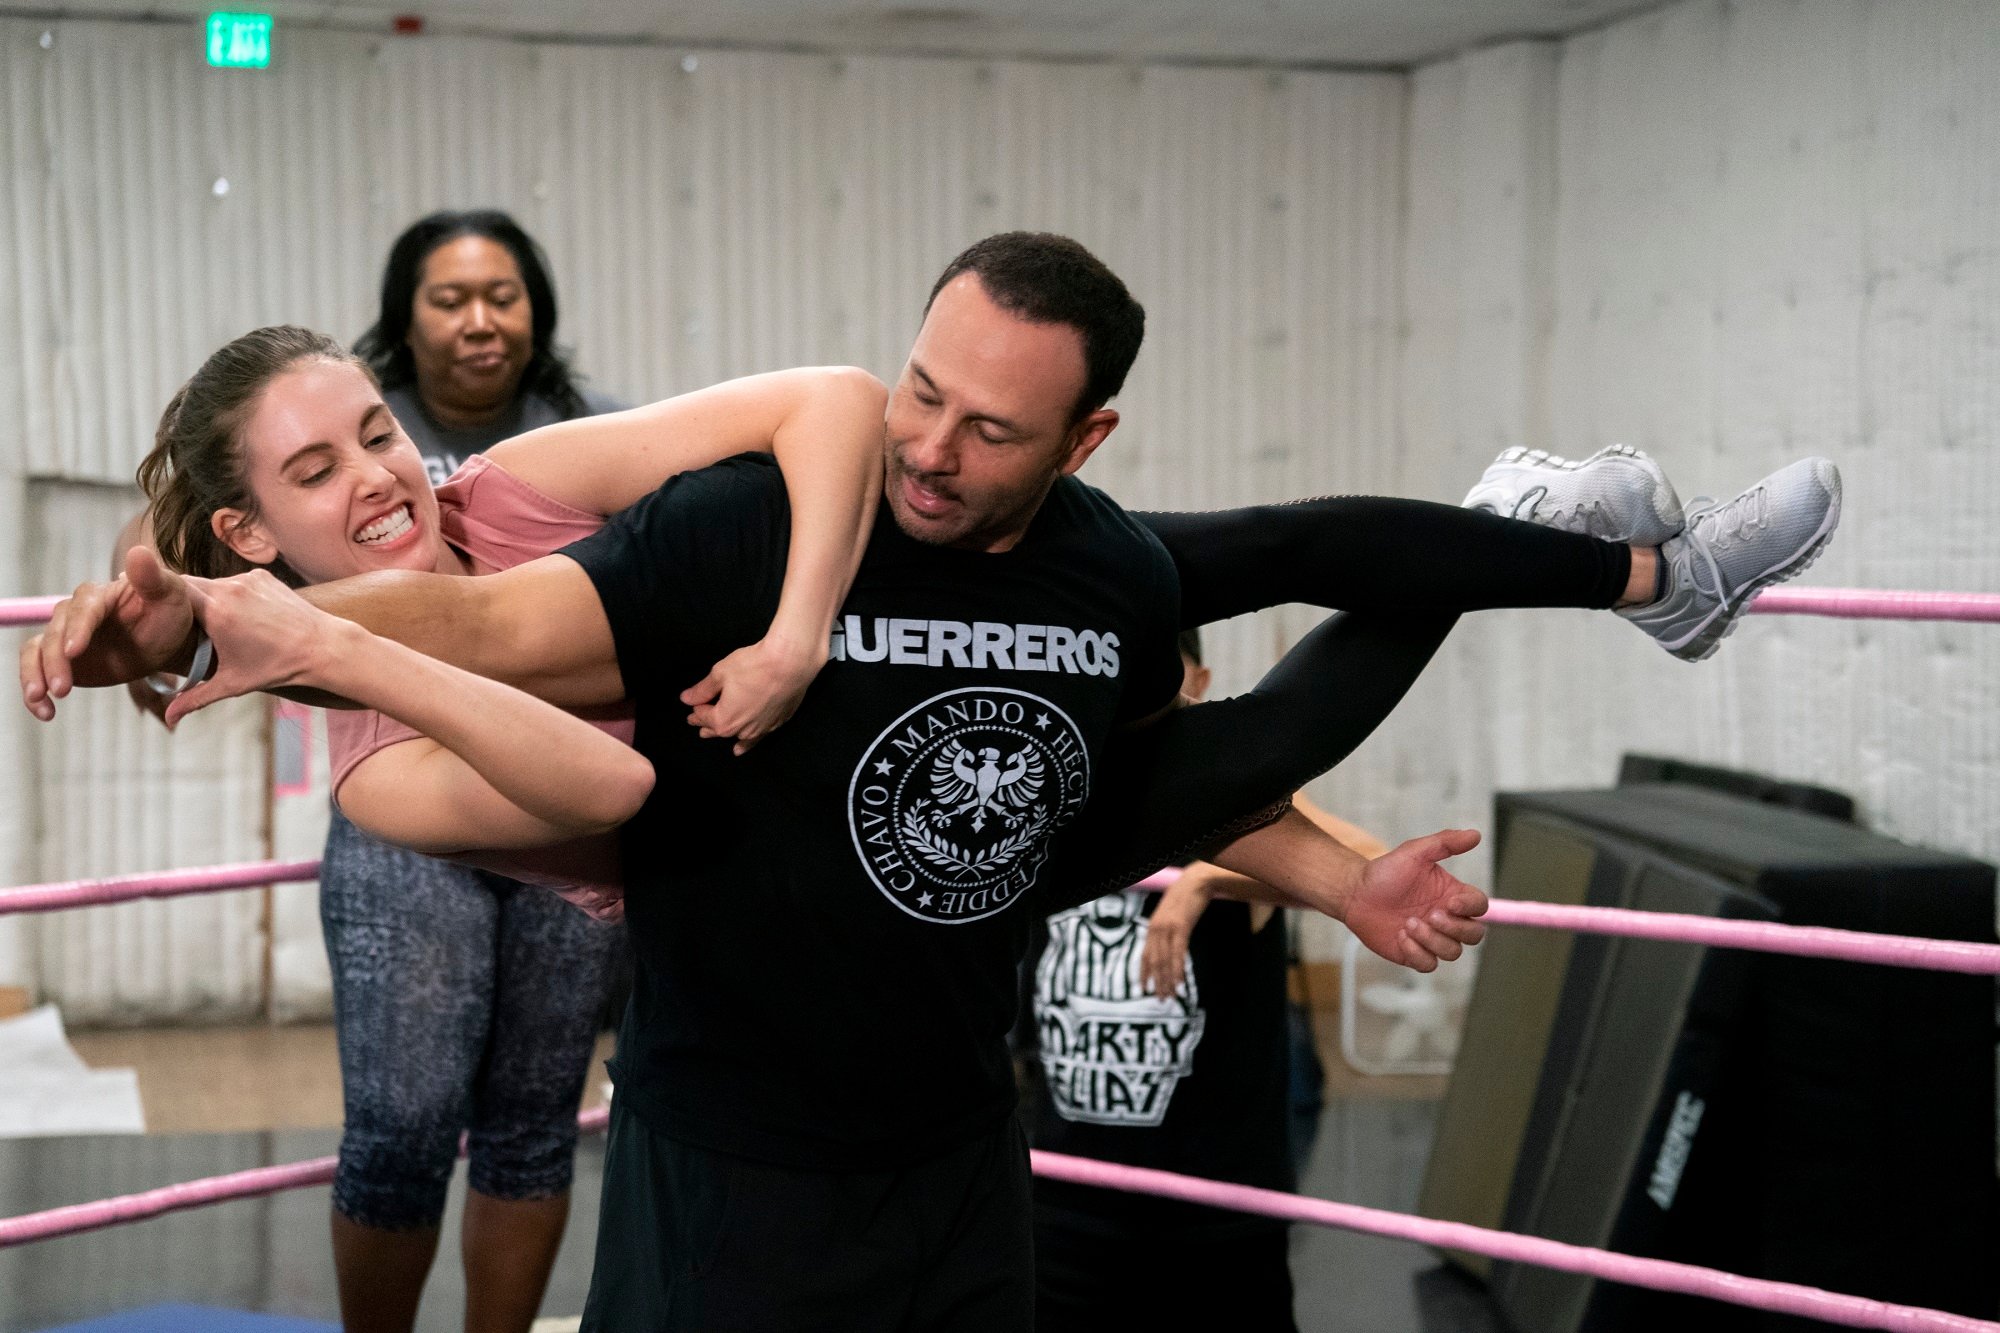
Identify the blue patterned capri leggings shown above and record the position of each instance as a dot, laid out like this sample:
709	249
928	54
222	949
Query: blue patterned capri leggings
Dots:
464	1002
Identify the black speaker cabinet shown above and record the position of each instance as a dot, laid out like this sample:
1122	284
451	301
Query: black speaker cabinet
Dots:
1798	1119
1635	769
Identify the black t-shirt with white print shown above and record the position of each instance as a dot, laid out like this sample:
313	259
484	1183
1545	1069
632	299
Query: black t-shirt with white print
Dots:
1196	1081
826	930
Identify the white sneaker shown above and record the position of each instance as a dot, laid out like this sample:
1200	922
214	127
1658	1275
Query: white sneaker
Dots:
1772	531
1617	494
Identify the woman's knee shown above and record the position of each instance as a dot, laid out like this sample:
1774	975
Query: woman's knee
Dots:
523	1159
394	1176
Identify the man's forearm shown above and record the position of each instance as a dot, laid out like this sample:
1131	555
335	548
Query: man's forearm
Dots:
1291	862
439	615
537	627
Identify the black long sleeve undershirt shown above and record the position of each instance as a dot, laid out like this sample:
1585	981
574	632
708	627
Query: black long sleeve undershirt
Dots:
1402	571
1368	553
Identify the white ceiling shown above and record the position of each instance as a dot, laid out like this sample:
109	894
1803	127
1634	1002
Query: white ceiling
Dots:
1291	32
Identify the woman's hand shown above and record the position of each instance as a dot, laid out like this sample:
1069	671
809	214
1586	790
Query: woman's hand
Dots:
266	637
828	441
1163	964
755	690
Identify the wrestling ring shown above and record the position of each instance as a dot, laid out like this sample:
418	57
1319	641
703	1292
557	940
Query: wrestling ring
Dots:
1656	1274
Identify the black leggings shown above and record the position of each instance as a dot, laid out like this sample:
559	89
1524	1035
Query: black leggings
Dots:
1402	571
1368	554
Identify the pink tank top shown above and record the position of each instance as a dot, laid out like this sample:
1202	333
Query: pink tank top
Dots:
499	521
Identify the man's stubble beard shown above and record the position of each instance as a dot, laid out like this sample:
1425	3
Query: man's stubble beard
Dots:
979	532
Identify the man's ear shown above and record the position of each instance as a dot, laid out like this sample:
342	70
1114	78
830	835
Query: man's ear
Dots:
1086	435
244	535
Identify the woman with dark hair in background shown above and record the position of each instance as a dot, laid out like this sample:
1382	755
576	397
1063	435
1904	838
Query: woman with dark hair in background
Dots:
464	343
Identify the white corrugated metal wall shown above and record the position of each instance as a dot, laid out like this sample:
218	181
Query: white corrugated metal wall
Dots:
1732	233
708	214
117	793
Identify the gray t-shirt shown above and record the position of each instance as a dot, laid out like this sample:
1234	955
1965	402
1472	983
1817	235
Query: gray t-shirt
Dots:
445	451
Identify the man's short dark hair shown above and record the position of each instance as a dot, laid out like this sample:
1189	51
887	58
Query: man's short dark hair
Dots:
1191	645
1050	279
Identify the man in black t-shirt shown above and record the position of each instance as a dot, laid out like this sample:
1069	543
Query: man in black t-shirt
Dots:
812	1125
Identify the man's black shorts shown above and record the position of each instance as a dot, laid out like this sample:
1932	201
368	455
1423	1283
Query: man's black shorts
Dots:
1238	1279
691	1239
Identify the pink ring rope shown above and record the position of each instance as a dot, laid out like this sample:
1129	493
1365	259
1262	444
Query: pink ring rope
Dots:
1854	946
1762	936
26	610
1658	1274
79	1217
251	1184
156	884
1840	603
1878	604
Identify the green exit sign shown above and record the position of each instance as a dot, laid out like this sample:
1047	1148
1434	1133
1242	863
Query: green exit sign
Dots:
239	41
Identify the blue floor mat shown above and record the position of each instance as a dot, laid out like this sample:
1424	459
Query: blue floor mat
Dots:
195	1319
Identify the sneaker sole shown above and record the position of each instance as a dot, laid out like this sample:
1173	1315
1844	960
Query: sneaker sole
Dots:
1542	460
1721	623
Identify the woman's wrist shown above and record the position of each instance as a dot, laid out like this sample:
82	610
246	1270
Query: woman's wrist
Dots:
805	644
1198	881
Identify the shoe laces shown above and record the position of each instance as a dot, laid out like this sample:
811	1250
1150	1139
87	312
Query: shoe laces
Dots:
1736	520
1710	525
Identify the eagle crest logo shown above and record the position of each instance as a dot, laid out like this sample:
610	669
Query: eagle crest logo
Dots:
976	782
953	805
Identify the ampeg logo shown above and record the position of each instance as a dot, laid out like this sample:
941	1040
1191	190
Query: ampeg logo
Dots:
953	805
1675	1149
